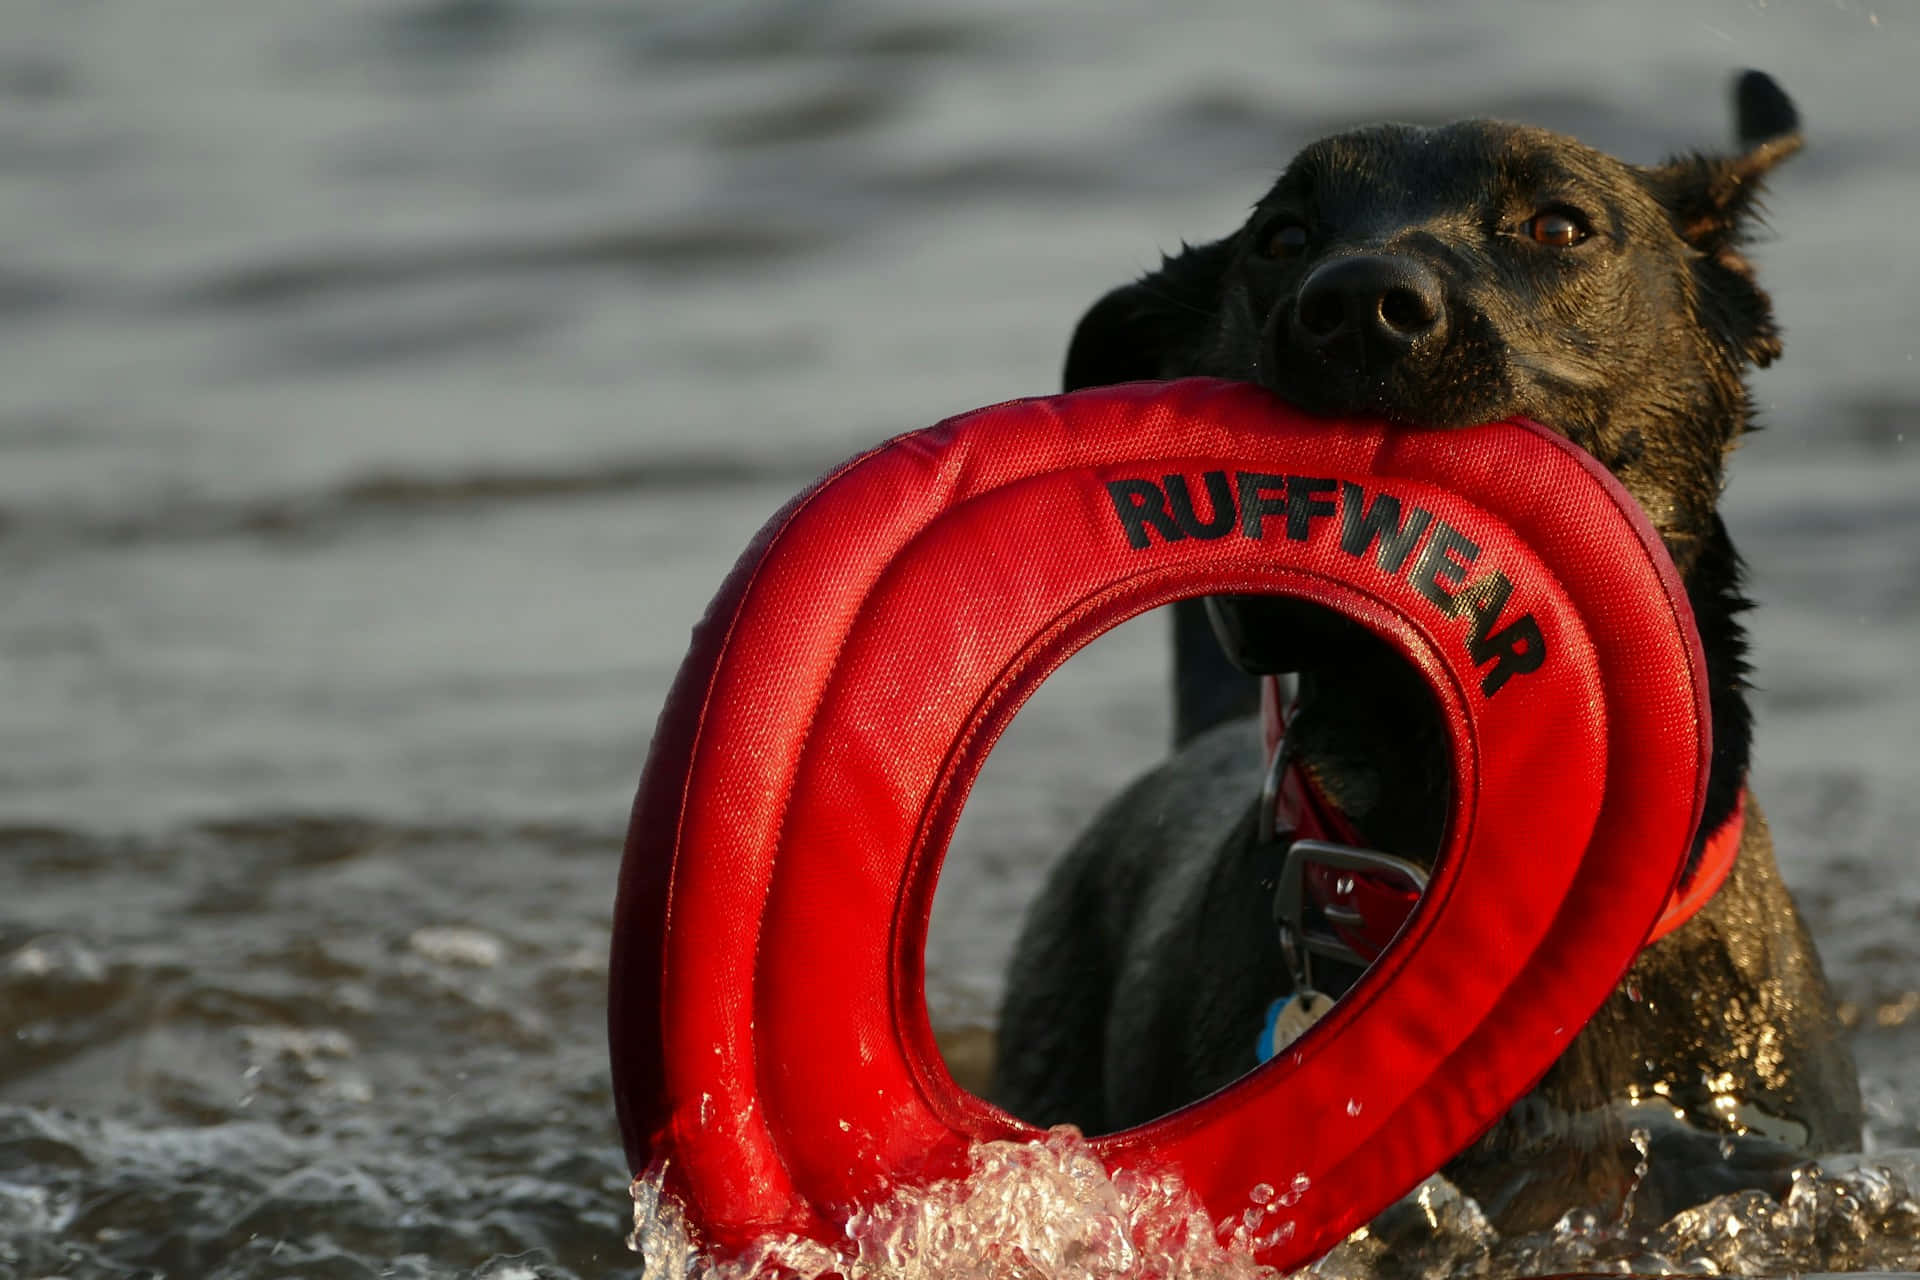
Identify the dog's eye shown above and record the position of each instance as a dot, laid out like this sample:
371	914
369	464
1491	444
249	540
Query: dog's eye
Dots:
1556	228
1286	239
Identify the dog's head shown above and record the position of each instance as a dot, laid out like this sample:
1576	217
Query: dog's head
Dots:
1449	276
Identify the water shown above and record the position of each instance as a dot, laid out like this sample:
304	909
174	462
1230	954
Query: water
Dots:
1051	1210
384	386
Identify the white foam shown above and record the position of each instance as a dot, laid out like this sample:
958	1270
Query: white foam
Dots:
1052	1211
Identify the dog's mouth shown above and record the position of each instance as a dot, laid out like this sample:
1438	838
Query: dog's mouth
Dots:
1428	395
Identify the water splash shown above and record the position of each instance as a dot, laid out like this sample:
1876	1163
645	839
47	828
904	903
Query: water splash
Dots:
1051	1211
1848	1214
1024	1211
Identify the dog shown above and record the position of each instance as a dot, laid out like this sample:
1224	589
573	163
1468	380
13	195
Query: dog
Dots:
1439	278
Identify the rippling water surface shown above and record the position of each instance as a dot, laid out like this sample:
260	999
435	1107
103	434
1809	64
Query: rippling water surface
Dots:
385	385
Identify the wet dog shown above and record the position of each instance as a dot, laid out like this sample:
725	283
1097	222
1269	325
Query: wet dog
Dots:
1440	278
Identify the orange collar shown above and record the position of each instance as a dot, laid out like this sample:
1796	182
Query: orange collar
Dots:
1711	870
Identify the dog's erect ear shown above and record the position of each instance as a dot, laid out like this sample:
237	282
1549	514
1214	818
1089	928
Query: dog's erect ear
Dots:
1711	195
1714	198
1144	329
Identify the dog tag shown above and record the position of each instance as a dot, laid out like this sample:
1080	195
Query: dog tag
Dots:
1288	1020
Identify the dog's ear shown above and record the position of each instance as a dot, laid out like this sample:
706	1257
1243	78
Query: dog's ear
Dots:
1153	326
1714	199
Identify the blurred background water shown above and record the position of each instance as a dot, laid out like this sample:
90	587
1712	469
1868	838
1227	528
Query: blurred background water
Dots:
385	385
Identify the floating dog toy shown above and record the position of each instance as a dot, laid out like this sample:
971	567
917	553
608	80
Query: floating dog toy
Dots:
769	1030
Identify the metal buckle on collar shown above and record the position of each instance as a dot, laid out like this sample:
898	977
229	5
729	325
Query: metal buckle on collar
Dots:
1300	939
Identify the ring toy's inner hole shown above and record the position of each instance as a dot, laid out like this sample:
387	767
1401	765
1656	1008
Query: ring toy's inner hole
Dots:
1096	724
1101	720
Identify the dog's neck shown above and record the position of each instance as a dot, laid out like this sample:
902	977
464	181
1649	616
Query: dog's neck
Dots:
1714	588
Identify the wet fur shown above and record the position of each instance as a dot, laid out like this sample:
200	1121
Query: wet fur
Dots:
1145	967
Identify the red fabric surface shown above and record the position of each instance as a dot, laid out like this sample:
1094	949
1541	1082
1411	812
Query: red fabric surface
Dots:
769	1032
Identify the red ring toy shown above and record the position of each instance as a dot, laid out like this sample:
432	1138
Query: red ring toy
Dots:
769	1030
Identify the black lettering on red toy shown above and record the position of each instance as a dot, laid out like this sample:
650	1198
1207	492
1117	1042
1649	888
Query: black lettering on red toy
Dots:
1304	503
1514	649
1363	523
1141	506
1259	498
1249	498
1219	494
1438	562
1483	599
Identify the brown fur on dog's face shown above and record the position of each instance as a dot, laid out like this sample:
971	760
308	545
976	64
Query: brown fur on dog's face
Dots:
1444	277
1554	268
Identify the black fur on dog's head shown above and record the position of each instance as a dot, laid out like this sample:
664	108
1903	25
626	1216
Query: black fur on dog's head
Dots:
1450	276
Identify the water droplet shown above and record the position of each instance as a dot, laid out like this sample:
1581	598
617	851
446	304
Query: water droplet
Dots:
1279	1235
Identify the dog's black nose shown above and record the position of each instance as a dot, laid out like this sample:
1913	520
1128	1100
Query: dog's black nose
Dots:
1380	301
